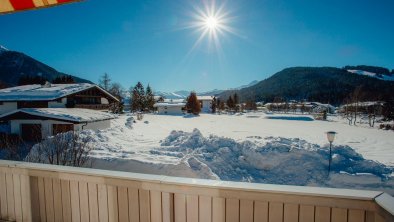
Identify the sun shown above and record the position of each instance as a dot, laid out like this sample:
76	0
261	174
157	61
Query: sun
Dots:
211	23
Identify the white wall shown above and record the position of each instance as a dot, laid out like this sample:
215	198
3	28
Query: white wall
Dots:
206	106
104	100
46	126
93	125
55	104
170	110
8	107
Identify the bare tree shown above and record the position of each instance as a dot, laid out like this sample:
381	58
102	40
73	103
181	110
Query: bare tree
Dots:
68	149
105	82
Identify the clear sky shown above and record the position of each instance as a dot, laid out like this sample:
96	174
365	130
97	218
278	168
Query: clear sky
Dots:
148	40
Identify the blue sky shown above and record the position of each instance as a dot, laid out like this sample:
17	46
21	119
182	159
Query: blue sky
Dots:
147	40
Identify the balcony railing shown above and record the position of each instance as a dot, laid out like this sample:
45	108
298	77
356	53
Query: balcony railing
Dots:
92	106
37	192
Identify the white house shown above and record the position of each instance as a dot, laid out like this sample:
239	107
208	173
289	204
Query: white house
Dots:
77	95
206	103
170	108
34	124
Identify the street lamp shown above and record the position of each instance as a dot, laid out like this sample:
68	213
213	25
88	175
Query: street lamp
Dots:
330	137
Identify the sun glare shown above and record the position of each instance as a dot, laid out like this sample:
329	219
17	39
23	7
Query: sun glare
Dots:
211	22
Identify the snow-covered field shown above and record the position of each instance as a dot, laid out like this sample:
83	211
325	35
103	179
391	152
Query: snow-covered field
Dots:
256	147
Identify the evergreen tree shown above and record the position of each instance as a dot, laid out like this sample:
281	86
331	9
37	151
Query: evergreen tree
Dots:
213	105
105	82
67	79
230	102
388	110
149	98
192	104
135	98
27	80
236	99
141	95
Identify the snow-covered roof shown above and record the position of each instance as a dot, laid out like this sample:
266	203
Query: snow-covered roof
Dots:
169	104
67	114
204	97
39	92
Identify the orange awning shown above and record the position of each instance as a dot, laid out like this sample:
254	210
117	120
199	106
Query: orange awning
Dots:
9	6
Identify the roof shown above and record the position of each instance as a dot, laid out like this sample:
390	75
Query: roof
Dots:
48	92
204	97
169	104
68	114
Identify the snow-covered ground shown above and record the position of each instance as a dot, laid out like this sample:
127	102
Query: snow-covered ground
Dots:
257	147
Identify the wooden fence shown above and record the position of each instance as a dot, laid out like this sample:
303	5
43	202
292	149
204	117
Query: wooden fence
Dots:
37	192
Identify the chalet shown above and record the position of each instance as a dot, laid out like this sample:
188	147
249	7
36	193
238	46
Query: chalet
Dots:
78	95
34	124
35	112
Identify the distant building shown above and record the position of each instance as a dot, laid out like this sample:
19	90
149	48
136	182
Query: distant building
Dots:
206	103
170	108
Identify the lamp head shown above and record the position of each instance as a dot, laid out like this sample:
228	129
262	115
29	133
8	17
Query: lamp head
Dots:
331	136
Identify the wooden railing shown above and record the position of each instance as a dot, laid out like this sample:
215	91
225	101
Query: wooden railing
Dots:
92	106
37	192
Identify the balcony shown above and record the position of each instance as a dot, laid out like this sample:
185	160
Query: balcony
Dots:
37	192
92	106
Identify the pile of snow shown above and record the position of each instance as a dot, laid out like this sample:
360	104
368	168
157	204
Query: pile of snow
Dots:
277	160
373	75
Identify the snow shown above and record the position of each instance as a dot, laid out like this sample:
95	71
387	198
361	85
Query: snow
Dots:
169	104
68	114
253	147
3	49
373	75
40	92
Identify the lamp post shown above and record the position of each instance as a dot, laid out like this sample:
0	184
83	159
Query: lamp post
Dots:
330	137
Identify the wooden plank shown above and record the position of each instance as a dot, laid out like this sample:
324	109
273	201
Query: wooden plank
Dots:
34	199
323	214
275	212
41	197
74	194
379	218
134	209
113	215
10	196
246	211
205	206
191	208
57	199
156	213
232	210
84	201
339	215
17	197
180	207
356	216
260	211
93	202
66	200
26	205
218	209
3	196
50	211
369	216
307	214
144	206
102	202
290	213
123	204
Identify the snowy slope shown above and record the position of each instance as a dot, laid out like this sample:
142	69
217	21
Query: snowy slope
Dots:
3	49
373	75
250	147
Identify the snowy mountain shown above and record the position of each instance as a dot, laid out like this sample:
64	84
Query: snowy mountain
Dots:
14	65
385	77
3	49
183	94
